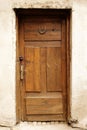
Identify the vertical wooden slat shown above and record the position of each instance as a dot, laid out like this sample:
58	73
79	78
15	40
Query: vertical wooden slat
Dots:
37	69
29	72
43	69
58	69
32	69
64	67
51	69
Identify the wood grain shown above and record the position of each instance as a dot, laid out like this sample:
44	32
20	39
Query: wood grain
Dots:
43	69
36	69
57	117
44	106
48	35
54	69
45	64
43	44
29	72
32	69
48	25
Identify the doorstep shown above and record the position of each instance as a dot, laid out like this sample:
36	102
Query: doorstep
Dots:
43	126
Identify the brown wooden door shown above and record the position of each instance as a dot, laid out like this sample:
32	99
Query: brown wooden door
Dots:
43	48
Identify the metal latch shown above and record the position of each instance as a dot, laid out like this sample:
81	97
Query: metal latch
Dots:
22	72
21	68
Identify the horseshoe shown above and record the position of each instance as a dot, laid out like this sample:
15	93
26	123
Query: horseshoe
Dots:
42	30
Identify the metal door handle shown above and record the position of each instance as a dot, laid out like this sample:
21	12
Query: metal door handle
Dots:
22	72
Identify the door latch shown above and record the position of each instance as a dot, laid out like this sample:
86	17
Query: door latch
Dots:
22	72
21	68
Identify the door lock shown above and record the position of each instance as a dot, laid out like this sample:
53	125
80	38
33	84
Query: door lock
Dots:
20	58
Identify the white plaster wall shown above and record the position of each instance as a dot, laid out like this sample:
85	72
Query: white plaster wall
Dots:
79	60
8	55
7	64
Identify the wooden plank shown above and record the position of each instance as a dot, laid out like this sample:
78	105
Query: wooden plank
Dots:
45	95
29	69
53	69
40	118
51	72
44	106
43	44
32	69
43	69
52	30
64	63
48	35
58	69
48	25
36	70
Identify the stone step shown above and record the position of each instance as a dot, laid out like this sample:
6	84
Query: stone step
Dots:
42	126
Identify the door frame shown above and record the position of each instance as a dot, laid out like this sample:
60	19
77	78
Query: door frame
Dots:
65	13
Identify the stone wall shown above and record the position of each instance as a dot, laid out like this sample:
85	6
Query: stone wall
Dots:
8	55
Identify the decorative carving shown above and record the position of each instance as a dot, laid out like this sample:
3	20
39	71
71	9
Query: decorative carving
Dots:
42	29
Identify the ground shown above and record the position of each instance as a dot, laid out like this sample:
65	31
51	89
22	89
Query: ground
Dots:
40	126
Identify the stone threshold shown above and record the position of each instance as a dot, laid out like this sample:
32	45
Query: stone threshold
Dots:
40	126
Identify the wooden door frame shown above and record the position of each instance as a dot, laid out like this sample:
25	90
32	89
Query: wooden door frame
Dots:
65	13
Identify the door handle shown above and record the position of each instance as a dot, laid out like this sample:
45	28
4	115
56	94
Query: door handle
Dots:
21	68
22	72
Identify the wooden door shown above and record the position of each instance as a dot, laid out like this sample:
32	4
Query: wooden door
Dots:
43	86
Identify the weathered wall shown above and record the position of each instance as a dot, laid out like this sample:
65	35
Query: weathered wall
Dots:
8	55
7	64
79	60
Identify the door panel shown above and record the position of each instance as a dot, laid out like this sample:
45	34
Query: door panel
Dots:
44	106
29	59
44	84
43	68
53	69
32	69
42	31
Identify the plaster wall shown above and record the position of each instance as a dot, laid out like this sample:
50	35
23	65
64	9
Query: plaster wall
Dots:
8	55
79	61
